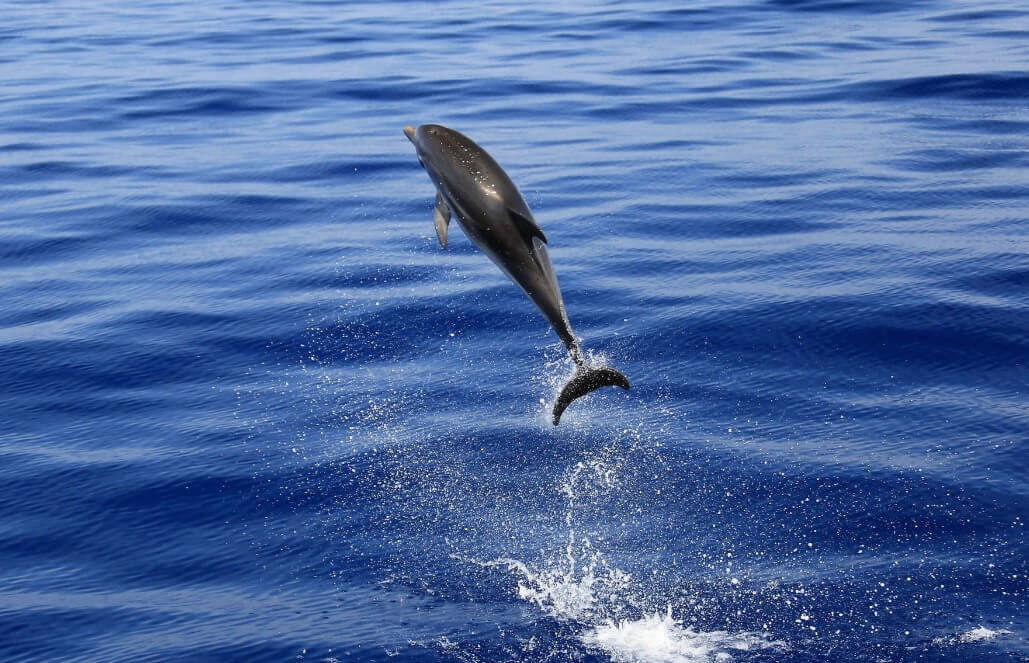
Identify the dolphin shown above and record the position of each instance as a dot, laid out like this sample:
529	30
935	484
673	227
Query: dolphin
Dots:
474	189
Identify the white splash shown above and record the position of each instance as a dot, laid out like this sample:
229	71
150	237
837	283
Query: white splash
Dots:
979	634
661	639
577	585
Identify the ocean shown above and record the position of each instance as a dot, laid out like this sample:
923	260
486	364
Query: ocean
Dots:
252	411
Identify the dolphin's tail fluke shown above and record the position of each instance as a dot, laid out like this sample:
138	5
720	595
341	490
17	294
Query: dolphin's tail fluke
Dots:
585	380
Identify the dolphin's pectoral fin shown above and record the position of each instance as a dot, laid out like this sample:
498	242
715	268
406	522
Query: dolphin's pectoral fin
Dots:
526	227
585	380
441	219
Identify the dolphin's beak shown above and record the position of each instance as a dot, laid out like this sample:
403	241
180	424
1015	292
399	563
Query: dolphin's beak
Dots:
409	131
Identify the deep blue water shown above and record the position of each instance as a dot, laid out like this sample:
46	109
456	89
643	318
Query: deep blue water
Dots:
251	411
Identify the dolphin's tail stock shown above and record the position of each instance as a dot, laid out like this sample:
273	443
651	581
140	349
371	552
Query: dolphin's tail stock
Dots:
585	380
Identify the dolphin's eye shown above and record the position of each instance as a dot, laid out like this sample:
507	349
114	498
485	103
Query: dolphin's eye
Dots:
432	132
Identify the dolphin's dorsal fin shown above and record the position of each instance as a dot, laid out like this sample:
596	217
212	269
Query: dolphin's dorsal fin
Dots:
441	219
526	227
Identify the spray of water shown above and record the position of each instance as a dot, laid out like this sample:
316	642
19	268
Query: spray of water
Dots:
578	586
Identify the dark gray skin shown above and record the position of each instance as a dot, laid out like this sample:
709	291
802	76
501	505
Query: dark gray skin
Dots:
494	215
472	187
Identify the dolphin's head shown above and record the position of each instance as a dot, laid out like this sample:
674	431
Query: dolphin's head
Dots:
427	134
433	145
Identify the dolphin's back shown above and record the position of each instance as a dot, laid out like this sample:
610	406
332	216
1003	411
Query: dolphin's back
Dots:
473	172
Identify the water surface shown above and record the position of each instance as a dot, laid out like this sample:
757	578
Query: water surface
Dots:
253	412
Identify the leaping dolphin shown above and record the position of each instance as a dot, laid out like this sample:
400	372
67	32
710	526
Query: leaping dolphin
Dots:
471	186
